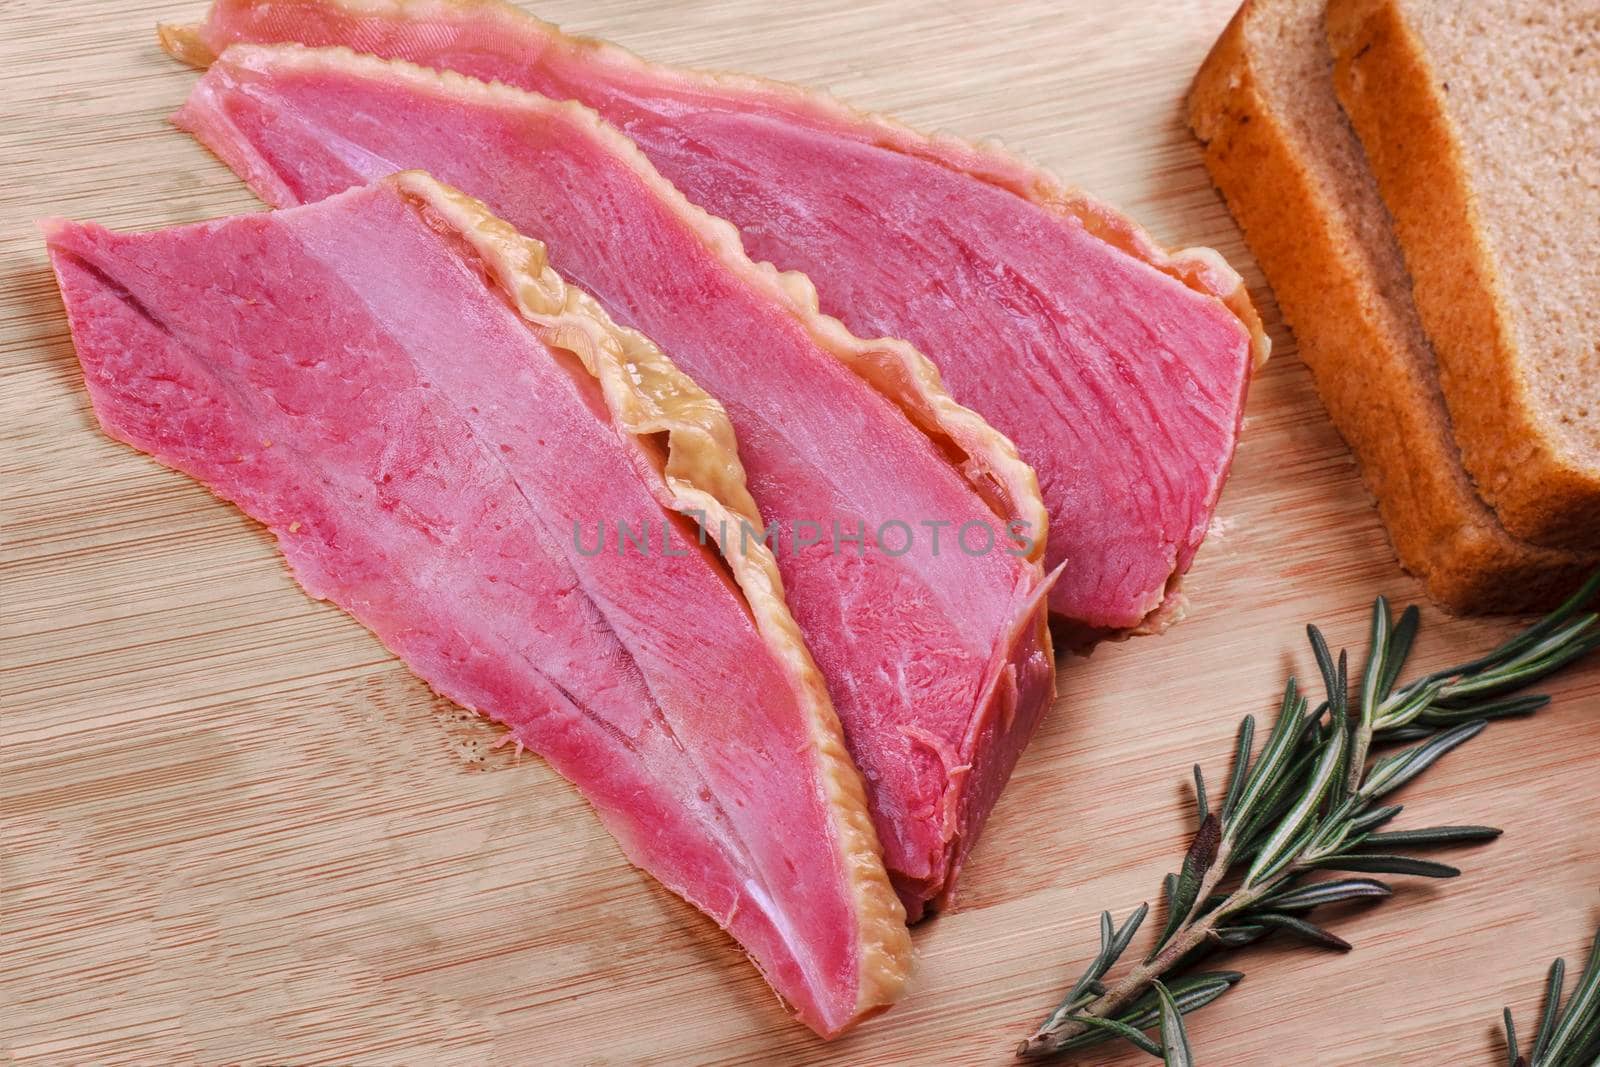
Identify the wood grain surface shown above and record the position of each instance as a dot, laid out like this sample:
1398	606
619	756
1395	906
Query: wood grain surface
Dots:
236	830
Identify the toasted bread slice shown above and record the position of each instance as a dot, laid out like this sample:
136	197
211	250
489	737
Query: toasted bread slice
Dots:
1293	173
1482	125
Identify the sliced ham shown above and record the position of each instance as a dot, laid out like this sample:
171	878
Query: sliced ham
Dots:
420	411
1118	369
934	648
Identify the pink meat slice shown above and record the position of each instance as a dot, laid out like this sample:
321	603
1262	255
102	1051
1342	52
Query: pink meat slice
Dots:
344	374
937	658
1119	370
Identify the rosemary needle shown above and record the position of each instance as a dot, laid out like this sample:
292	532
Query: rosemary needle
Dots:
1310	801
1568	1035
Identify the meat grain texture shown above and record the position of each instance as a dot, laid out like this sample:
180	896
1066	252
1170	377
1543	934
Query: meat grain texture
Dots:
1120	370
937	659
420	411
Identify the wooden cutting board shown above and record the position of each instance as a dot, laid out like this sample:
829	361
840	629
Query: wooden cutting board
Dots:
236	830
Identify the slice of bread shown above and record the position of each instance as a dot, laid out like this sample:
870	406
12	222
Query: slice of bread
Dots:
1293	173
1482	124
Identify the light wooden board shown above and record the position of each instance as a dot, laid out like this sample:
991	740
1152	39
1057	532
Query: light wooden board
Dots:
237	830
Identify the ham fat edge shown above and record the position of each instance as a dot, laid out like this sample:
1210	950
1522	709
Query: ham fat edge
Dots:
937	659
395	384
1120	370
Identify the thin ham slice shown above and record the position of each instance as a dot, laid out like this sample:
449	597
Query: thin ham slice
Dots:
935	650
1118	369
420	411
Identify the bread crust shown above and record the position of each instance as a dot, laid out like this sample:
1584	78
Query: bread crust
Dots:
1363	346
1396	102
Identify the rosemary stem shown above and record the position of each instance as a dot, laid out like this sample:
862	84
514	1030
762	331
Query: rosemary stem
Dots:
1138	981
1305	804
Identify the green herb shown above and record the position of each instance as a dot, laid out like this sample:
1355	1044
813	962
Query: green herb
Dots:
1570	1036
1309	802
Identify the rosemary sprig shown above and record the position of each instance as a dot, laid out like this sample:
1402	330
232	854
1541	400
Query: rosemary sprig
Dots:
1566	1037
1309	802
